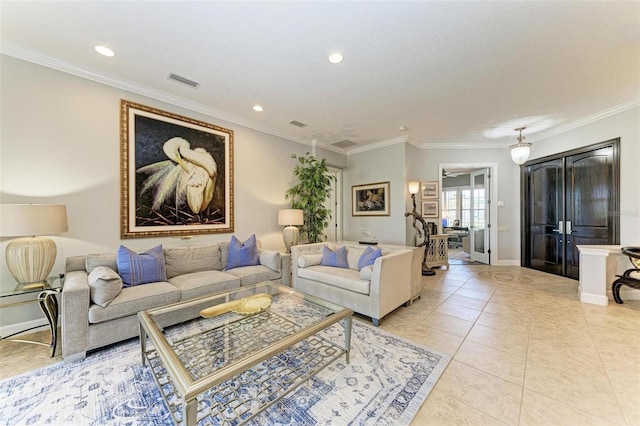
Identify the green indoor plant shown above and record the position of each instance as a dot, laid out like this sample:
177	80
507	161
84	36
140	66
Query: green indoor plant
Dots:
310	192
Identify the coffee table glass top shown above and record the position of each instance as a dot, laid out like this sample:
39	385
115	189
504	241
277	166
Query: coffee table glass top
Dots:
230	342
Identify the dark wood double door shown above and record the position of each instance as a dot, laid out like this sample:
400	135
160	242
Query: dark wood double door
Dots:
569	199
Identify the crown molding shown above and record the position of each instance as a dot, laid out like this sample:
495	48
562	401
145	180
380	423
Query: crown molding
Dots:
376	145
474	145
617	109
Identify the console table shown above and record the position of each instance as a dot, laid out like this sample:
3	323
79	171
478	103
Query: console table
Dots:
48	302
438	251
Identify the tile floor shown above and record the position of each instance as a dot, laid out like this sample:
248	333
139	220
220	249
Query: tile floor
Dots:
524	350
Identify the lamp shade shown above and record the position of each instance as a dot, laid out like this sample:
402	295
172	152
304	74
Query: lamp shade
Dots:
414	187
289	217
32	219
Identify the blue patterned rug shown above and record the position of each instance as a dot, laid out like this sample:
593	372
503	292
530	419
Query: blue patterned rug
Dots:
385	383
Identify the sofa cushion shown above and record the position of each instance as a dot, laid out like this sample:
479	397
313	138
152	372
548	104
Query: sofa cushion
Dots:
104	285
254	274
366	273
141	268
344	278
368	257
181	261
337	258
309	260
204	283
101	259
242	254
353	256
132	300
271	259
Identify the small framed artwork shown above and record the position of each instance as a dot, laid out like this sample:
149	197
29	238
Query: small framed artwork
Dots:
176	174
430	189
430	208
371	199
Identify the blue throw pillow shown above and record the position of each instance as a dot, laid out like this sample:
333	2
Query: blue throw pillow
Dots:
336	258
141	268
242	254
368	257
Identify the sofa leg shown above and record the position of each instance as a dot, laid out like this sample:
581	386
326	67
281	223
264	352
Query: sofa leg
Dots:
615	290
375	321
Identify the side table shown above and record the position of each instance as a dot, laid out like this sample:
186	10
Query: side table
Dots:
48	303
438	251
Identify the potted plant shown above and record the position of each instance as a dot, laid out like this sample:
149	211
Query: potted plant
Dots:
310	193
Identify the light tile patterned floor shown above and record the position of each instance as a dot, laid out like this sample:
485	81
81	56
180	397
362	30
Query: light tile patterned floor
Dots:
525	350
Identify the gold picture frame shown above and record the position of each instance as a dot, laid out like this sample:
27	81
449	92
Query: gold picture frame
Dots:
176	174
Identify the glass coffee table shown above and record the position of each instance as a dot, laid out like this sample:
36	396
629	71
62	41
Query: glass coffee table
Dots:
229	367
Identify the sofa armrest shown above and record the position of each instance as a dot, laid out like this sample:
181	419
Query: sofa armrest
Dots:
301	250
286	269
75	315
391	281
271	259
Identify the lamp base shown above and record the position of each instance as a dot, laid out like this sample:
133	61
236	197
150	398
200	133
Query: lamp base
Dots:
30	259
290	235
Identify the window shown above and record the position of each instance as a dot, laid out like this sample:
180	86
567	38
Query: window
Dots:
450	206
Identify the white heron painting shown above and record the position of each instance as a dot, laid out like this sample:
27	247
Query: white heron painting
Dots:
180	176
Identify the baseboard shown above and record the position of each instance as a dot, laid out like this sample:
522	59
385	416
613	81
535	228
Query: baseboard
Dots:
8	330
506	263
596	299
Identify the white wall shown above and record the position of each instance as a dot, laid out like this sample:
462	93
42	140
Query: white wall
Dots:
60	144
379	165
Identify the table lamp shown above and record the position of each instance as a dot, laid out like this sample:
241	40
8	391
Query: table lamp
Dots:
31	257
290	218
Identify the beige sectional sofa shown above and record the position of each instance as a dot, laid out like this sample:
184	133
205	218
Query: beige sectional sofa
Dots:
191	273
373	291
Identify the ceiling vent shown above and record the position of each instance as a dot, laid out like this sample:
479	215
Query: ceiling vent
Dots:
183	80
345	143
297	123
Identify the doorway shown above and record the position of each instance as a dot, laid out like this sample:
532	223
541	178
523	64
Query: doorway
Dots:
569	199
467	211
333	231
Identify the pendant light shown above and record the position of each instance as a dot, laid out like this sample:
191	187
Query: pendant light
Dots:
520	151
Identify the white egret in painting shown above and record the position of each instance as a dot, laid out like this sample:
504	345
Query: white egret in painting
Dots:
190	174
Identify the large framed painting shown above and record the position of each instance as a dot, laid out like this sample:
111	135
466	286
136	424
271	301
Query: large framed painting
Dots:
176	174
370	200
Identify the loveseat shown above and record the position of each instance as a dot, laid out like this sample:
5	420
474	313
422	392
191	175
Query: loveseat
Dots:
90	320
373	290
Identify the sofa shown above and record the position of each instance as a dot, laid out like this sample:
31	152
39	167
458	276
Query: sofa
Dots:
374	290
90	321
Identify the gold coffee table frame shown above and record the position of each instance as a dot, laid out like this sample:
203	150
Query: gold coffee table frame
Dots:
228	350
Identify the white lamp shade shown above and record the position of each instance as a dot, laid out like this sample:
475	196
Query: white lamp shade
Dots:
19	220
414	187
287	217
520	153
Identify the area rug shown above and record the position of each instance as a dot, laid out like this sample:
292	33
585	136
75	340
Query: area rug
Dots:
385	383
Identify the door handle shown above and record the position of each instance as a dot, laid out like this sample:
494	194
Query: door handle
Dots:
560	229
568	229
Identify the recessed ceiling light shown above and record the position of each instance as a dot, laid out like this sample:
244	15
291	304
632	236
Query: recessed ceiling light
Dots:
105	51
258	108
402	128
335	58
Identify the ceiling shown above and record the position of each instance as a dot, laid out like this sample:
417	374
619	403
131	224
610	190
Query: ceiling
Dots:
455	74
